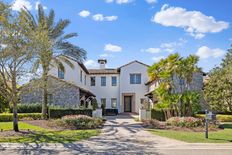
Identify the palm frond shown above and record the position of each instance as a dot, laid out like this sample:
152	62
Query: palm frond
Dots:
68	36
58	29
58	63
67	61
50	19
29	18
71	50
41	15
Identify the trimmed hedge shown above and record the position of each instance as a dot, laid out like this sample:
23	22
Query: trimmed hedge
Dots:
157	114
58	113
28	108
9	117
221	118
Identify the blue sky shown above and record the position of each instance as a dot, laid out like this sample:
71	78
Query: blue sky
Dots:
145	30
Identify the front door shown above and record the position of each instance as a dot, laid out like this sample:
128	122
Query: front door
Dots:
127	103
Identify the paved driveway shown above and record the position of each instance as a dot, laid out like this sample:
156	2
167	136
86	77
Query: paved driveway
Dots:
121	135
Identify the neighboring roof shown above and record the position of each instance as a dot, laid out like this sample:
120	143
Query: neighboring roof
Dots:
103	71
133	62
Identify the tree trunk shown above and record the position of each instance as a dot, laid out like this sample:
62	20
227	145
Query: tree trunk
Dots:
45	94
15	116
14	102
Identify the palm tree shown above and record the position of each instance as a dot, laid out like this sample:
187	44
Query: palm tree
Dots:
50	41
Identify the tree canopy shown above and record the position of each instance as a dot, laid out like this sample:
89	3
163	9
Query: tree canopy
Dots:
218	89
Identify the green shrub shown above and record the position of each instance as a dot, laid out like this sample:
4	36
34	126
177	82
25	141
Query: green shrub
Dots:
153	123
221	118
184	122
157	114
28	108
58	113
21	116
3	104
81	122
94	104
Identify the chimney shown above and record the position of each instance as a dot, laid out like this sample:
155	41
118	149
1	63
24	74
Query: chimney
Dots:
102	63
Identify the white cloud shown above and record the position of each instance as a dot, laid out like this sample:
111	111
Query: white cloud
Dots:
101	17
157	59
172	46
98	17
112	48
123	1
169	47
84	13
194	23
17	5
151	50
105	55
205	52
151	1
91	64
37	5
109	1
111	18
119	1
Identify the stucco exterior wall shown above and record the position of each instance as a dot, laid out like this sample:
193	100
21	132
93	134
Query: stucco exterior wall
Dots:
138	89
72	75
108	92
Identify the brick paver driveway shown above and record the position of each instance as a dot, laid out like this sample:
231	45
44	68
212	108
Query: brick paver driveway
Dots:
121	135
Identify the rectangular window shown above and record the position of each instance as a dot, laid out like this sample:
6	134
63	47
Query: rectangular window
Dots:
85	79
81	75
103	81
103	101
114	103
114	80
135	78
92	81
60	73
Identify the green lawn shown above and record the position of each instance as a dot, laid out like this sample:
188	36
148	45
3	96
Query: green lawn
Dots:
40	135
222	136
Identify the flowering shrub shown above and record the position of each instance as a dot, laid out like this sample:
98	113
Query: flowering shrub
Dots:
153	123
184	122
81	122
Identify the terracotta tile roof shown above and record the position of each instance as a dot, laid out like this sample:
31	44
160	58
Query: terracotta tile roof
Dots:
103	71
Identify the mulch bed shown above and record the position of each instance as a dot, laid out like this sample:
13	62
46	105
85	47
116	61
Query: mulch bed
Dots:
194	129
47	124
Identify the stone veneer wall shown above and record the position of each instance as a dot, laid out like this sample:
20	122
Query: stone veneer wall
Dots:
63	94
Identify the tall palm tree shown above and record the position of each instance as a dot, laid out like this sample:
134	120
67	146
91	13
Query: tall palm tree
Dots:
50	41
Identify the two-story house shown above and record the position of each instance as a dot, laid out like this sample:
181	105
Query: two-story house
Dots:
122	88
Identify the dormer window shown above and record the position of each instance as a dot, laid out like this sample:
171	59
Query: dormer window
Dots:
60	73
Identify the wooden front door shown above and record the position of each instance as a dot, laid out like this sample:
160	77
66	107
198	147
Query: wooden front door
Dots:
127	104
